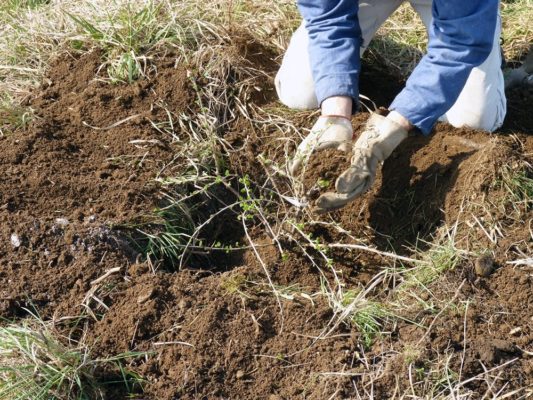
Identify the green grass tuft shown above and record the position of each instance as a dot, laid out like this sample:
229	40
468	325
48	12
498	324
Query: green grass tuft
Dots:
126	36
518	183
442	256
35	364
172	229
367	316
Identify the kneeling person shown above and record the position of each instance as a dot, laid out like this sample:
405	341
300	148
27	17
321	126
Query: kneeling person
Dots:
459	80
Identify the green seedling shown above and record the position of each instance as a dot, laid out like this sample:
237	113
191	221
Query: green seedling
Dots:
235	284
323	183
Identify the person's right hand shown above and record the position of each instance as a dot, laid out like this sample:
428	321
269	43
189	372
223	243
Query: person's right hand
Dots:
329	132
521	76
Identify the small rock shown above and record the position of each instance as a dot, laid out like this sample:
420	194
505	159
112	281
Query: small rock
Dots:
145	296
15	240
184	304
62	221
515	331
484	265
239	374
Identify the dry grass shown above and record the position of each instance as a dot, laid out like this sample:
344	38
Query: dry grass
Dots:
33	32
401	41
37	363
517	28
133	33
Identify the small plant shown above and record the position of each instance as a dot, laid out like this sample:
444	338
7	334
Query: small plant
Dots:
235	284
249	204
172	229
365	315
441	257
125	35
441	378
35	364
126	68
323	183
12	115
353	307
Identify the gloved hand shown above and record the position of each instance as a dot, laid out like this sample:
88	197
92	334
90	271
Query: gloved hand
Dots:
521	76
379	138
328	132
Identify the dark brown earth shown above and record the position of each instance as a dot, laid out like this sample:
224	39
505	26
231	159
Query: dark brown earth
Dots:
322	170
214	330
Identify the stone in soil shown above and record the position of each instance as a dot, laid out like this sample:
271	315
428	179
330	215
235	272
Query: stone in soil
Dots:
484	266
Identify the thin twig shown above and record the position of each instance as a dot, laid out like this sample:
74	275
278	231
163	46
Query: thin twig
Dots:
104	276
112	125
376	251
172	343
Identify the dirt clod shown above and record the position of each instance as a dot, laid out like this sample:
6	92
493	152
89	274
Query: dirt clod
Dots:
484	265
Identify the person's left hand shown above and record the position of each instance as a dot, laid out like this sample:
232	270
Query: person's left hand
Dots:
521	76
378	140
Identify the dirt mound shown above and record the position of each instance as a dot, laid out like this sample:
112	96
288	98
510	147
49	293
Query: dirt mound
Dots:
424	182
421	187
214	344
77	171
85	169
64	168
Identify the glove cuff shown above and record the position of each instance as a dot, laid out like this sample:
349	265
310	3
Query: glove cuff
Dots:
325	120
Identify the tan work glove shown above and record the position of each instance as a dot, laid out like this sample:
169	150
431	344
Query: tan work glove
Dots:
521	76
380	137
327	133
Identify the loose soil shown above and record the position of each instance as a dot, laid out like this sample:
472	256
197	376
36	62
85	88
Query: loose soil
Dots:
214	329
322	170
